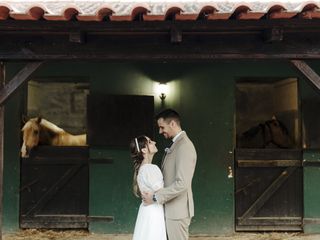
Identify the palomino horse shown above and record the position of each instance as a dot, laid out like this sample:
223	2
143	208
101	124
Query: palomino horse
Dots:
38	131
270	134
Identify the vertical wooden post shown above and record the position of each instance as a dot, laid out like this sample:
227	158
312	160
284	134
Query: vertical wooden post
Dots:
6	90
2	83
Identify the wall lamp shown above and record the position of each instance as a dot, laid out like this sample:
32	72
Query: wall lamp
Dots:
162	90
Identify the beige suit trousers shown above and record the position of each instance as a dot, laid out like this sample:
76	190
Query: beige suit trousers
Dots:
178	229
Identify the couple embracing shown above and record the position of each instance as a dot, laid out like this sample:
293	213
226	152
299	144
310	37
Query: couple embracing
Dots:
167	206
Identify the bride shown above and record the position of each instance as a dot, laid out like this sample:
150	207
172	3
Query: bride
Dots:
147	177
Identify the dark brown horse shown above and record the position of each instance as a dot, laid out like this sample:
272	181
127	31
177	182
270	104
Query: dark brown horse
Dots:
270	134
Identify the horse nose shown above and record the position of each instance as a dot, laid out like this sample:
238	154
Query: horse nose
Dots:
27	151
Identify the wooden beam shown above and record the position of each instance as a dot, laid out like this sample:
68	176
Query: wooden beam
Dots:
157	46
308	72
77	37
268	154
123	56
176	35
47	27
2	84
17	81
269	163
273	35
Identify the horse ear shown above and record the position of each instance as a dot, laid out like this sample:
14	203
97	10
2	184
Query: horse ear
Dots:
274	117
24	119
39	120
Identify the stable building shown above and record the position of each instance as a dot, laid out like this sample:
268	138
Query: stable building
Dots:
244	77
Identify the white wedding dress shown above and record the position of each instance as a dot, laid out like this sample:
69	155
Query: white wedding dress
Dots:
150	223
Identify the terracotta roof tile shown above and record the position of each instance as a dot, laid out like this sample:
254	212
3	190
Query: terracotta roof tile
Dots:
101	14
4	12
156	10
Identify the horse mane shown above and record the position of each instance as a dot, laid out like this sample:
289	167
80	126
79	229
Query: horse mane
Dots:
252	131
50	126
26	125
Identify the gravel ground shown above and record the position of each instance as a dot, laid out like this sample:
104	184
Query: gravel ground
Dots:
81	235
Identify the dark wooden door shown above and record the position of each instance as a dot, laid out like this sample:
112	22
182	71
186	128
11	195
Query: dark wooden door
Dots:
268	190
54	188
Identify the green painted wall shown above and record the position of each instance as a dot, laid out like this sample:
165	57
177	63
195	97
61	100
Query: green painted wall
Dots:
110	192
203	93
311	192
311	174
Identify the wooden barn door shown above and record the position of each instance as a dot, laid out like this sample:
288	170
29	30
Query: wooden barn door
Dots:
268	190
54	188
268	177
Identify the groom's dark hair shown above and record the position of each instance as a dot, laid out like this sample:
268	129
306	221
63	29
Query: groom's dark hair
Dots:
168	115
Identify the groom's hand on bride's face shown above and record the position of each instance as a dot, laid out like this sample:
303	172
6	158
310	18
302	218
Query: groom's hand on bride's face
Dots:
147	198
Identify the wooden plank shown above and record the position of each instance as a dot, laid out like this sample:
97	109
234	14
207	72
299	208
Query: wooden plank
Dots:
274	228
18	80
53	225
2	84
308	72
67	218
72	152
57	155
269	163
267	154
53	161
59	217
271	221
62	221
54	221
254	208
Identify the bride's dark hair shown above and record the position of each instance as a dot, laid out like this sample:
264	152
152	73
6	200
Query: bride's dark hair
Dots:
136	145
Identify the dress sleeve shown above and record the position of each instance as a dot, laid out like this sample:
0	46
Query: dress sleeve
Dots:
153	178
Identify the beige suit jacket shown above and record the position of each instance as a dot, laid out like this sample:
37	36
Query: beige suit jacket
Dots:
178	168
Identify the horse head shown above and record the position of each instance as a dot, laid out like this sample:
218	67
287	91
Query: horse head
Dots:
39	131
272	133
277	133
31	135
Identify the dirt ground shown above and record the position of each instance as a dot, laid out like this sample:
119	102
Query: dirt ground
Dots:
81	235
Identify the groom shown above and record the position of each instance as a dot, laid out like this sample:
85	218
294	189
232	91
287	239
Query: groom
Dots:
178	168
